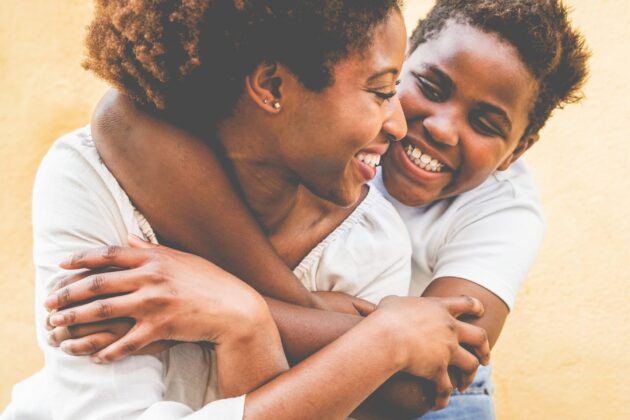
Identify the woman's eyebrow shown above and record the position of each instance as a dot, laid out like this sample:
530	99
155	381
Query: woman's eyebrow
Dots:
389	70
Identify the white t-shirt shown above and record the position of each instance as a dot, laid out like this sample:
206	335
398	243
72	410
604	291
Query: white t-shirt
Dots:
78	204
489	235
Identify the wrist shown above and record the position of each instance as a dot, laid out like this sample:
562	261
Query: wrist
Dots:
389	335
251	318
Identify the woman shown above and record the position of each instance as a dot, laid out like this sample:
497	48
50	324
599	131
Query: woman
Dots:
484	224
262	113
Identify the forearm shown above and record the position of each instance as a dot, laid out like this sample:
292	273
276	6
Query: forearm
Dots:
304	331
218	211
250	354
353	367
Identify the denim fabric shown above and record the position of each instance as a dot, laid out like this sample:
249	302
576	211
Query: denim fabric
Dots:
474	404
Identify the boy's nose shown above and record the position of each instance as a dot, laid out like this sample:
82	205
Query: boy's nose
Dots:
441	129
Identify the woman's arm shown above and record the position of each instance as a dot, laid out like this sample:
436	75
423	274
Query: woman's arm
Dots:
163	287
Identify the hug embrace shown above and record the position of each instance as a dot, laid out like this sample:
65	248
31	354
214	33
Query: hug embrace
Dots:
286	209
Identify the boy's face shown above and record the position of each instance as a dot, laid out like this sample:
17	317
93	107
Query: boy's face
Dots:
466	96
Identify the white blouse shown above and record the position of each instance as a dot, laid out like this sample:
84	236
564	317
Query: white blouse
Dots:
78	204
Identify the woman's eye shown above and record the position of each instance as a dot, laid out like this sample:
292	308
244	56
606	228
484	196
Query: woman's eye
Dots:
384	96
430	90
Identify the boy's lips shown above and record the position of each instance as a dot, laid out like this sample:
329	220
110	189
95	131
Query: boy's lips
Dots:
425	157
414	172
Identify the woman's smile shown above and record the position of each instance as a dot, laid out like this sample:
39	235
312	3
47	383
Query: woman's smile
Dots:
368	159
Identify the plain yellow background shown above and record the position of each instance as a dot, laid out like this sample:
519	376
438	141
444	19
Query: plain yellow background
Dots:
565	352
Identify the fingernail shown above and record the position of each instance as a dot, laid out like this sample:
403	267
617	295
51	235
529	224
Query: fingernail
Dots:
96	359
57	319
50	339
50	301
65	347
66	261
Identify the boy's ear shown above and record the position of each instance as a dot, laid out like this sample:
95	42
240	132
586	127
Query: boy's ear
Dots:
264	86
524	144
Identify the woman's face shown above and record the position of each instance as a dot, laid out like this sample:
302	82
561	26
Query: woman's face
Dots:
332	140
466	96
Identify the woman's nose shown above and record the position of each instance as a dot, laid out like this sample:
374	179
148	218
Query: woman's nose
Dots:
442	129
395	124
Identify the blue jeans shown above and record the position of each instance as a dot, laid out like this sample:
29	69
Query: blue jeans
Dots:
474	404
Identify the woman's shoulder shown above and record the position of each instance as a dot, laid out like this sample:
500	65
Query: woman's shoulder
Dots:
74	190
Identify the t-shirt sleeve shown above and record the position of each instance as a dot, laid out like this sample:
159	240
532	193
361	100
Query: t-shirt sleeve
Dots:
74	208
493	245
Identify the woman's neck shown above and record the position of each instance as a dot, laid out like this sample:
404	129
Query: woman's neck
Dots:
271	190
294	219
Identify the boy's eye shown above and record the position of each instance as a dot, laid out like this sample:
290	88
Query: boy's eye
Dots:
430	90
485	127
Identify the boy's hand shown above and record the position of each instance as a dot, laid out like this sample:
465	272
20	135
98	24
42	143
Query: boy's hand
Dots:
342	302
171	295
89	339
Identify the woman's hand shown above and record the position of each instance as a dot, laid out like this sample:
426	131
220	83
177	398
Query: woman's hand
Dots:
171	295
430	338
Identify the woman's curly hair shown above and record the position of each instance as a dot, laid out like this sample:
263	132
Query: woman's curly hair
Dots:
187	59
553	51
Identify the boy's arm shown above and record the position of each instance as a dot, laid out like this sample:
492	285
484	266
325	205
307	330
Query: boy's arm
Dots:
492	243
235	243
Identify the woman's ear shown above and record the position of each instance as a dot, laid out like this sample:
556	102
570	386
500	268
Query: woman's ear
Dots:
523	145
264	86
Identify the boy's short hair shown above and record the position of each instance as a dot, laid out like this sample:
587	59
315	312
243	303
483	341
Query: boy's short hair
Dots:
553	51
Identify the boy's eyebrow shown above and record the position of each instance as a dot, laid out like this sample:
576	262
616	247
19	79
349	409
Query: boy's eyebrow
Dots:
486	107
444	79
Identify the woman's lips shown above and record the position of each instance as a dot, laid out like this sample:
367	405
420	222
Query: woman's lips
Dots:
367	169
368	159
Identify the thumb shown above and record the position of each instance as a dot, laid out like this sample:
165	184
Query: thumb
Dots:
137	242
363	307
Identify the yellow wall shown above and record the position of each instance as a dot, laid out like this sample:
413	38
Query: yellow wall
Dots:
565	353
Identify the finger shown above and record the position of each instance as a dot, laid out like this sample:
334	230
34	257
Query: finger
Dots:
134	341
460	305
137	242
49	326
70	279
363	307
92	286
157	347
467	364
98	310
475	339
443	390
117	327
88	345
112	255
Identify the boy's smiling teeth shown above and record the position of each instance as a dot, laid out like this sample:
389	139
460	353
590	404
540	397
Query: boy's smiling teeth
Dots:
422	160
370	159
